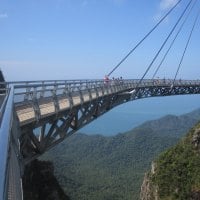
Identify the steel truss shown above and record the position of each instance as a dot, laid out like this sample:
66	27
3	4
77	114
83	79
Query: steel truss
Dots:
43	133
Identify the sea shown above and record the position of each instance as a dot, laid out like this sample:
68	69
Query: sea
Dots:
132	114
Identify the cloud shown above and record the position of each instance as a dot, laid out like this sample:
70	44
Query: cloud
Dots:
3	15
163	6
167	4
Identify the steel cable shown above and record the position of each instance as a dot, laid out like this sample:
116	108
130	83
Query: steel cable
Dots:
172	43
140	42
186	46
155	57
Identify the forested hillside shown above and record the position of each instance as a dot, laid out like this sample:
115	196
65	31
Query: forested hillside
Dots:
175	174
97	167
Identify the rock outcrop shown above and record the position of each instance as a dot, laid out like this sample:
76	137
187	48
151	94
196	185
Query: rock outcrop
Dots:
39	182
175	175
148	190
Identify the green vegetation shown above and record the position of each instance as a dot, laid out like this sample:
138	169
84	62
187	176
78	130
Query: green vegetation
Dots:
100	168
177	170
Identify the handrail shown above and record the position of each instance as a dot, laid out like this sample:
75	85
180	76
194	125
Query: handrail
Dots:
19	84
52	81
2	109
42	89
5	130
154	82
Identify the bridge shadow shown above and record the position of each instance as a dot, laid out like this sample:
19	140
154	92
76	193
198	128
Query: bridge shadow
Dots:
39	182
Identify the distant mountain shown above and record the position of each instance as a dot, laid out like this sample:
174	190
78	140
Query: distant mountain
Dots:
100	168
175	174
172	125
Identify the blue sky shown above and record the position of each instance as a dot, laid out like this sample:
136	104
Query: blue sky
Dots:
76	39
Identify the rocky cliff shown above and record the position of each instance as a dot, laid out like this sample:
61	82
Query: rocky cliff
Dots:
39	182
175	175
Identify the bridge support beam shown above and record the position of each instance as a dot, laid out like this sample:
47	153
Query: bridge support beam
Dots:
36	139
46	131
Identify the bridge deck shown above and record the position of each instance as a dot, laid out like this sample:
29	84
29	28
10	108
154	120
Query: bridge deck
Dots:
26	112
59	100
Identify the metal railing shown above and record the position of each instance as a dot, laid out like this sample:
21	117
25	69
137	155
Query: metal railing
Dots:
5	131
10	172
38	89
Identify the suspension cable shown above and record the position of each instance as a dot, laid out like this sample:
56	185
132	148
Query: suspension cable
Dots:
188	41
172	43
140	42
148	68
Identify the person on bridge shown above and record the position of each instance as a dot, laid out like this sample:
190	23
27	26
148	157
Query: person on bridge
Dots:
121	80
106	79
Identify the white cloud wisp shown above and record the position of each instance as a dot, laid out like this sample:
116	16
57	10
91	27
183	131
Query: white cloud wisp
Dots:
167	4
3	15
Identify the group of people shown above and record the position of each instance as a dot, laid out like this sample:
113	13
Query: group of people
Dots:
113	80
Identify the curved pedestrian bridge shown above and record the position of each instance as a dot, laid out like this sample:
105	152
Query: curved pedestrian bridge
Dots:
36	116
35	101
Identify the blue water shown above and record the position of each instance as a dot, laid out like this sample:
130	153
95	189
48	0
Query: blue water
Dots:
127	116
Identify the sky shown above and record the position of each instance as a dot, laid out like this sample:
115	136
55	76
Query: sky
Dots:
85	39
